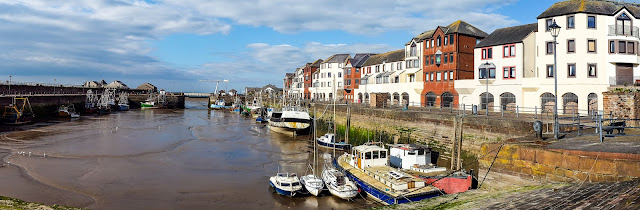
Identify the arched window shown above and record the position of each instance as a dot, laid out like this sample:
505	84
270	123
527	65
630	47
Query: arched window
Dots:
548	101
438	42
396	98
405	98
431	98
446	99
593	103
508	101
570	103
486	101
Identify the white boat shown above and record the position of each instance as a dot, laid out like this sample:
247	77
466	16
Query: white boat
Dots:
329	141
338	184
289	120
286	184
123	101
311	182
68	111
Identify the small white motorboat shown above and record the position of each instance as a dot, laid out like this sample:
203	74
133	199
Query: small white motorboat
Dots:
338	184
286	184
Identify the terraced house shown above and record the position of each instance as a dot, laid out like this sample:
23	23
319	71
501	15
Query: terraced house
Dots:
448	56
308	69
328	81
352	75
385	73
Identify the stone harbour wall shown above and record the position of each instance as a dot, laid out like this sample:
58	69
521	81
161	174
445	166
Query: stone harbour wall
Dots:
622	105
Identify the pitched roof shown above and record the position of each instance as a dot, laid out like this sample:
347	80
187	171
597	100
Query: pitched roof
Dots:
288	75
508	35
590	7
337	58
387	57
359	59
423	36
316	63
465	28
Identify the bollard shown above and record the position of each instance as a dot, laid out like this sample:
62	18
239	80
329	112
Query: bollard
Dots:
536	111
502	111
517	112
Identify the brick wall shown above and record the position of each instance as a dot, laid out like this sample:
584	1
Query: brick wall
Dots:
379	99
622	105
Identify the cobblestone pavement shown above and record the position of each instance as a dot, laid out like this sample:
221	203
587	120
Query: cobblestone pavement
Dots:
621	195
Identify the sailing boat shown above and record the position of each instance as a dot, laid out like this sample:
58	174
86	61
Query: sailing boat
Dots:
338	184
311	182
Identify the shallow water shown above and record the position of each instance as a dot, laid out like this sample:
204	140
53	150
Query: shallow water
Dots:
158	159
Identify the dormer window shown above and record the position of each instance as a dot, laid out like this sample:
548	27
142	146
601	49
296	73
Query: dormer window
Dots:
412	50
623	25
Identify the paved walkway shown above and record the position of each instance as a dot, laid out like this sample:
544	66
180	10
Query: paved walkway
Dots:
621	195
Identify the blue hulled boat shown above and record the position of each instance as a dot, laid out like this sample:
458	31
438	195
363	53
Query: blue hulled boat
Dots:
329	141
286	184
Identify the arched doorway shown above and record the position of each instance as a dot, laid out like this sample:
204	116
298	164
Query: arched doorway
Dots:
508	101
547	102
405	98
359	97
593	103
366	98
569	103
396	99
486	101
430	99
446	99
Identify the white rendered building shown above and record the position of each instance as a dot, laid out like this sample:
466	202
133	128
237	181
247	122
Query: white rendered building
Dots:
327	81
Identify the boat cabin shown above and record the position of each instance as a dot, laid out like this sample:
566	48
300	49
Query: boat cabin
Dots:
406	156
369	156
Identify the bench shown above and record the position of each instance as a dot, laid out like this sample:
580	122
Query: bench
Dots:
620	125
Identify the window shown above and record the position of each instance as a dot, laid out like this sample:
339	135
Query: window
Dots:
622	47
357	82
432	43
391	66
548	22
591	21
571	46
439	41
549	70
438	76
505	73
431	76
339	84
427	44
591	45
408	64
484	53
451	57
432	58
571	70
446	59
483	73
512	73
630	47
339	65
446	76
328	65
549	47
451	75
509	51
592	70
571	22
415	63
369	70
509	72
612	47
446	38
451	39
328	74
505	51
413	49
357	70
412	78
487	53
328	84
378	69
623	25
399	66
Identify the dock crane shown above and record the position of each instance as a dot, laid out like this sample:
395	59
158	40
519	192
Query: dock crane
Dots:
216	90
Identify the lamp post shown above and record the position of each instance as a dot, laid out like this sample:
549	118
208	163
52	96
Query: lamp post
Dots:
486	65
9	84
555	30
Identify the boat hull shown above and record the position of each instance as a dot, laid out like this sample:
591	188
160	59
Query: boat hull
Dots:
123	107
282	191
380	195
332	145
307	184
64	114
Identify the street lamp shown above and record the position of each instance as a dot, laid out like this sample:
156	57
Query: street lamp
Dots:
555	30
487	67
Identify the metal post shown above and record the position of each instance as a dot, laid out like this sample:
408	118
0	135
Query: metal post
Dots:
555	79
517	112
600	128
501	111
579	125
535	108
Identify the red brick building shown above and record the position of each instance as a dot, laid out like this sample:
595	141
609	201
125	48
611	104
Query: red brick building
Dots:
448	56
352	74
308	70
288	79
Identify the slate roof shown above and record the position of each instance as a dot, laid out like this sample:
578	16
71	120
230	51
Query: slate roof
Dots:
590	7
387	57
289	75
359	59
508	35
316	63
337	58
459	26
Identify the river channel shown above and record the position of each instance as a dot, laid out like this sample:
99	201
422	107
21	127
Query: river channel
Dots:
157	159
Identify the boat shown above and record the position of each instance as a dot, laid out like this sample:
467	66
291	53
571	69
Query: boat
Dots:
123	101
367	166
68	111
291	120
285	184
329	141
220	104
18	112
150	103
90	104
416	161
338	184
311	182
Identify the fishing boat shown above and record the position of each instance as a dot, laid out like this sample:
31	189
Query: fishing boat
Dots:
367	166
329	141
416	161
150	103
291	120
311	182
123	101
68	111
220	104
338	184
91	102
18	112
286	184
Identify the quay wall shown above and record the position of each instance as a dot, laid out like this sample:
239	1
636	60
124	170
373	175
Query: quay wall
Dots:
539	163
174	101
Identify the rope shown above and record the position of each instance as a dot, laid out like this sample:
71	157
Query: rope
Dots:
494	160
580	186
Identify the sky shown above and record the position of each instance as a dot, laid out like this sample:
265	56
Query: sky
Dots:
174	44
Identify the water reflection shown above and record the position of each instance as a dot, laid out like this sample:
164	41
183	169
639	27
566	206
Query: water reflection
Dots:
160	159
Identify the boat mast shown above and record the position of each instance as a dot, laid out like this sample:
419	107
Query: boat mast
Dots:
334	116
315	152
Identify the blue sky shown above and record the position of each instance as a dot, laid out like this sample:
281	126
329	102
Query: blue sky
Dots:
175	43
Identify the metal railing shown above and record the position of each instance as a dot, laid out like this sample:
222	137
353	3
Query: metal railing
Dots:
603	126
623	31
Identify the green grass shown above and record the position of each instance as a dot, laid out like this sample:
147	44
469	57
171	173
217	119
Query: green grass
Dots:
12	203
